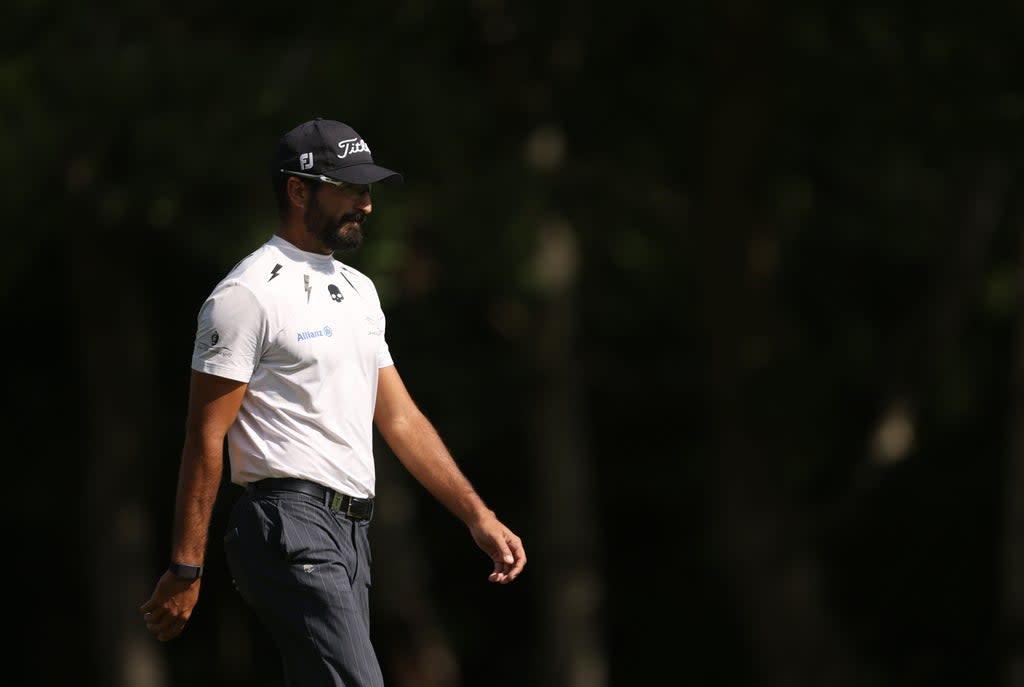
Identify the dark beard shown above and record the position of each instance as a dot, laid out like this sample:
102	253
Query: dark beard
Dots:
330	230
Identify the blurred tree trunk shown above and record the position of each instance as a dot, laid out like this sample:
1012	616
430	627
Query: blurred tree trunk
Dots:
922	370
413	648
763	540
571	583
118	382
1013	525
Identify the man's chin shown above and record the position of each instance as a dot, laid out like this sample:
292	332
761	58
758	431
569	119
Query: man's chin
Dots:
351	231
348	237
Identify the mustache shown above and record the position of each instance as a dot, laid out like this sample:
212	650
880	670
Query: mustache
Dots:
354	216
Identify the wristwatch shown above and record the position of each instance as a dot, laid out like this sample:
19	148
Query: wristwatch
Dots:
185	572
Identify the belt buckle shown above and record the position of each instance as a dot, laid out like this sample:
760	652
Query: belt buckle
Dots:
337	501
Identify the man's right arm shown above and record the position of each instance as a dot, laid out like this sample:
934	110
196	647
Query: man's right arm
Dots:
212	408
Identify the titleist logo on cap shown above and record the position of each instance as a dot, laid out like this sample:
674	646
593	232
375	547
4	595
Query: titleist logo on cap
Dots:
352	145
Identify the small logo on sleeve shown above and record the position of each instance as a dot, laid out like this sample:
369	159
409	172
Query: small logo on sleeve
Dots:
375	325
207	345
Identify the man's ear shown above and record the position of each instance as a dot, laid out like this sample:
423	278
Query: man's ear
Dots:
298	192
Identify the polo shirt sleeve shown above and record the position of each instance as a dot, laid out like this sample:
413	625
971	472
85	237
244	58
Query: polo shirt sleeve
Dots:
384	352
229	332
384	358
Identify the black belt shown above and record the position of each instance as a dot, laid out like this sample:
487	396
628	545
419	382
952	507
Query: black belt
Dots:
356	508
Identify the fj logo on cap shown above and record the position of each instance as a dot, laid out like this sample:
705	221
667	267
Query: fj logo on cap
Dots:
352	146
306	161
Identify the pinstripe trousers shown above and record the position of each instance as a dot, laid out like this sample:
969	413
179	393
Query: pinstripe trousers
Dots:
305	571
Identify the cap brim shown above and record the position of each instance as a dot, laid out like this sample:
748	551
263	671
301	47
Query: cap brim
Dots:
365	174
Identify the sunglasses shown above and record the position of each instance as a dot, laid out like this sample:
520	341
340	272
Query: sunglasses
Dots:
356	189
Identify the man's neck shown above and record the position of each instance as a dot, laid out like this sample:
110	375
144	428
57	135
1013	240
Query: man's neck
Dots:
298	236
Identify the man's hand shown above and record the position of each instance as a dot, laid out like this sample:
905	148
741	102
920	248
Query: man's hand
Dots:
502	545
170	606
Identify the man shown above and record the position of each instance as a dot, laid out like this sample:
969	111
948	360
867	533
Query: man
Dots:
291	365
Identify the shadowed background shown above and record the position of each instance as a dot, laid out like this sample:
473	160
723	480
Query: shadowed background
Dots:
718	305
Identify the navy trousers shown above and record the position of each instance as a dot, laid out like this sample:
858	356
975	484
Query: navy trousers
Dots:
305	570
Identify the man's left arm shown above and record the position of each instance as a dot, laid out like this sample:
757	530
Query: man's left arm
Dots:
419	447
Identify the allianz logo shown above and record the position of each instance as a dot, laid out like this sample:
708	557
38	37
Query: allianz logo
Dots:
315	333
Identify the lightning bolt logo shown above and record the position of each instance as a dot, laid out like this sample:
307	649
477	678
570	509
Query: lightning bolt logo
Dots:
309	289
273	272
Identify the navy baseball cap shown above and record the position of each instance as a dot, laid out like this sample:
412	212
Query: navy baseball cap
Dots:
332	149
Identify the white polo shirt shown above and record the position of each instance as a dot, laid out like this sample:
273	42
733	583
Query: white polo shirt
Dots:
307	334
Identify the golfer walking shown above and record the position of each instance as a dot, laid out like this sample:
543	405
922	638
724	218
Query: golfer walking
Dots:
292	366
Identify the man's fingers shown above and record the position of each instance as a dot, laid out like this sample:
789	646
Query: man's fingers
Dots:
155	615
506	551
164	619
516	557
519	564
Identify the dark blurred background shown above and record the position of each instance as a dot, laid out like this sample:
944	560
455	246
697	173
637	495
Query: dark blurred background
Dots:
718	304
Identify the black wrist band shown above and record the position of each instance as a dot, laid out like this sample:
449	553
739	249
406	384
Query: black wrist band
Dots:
185	572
